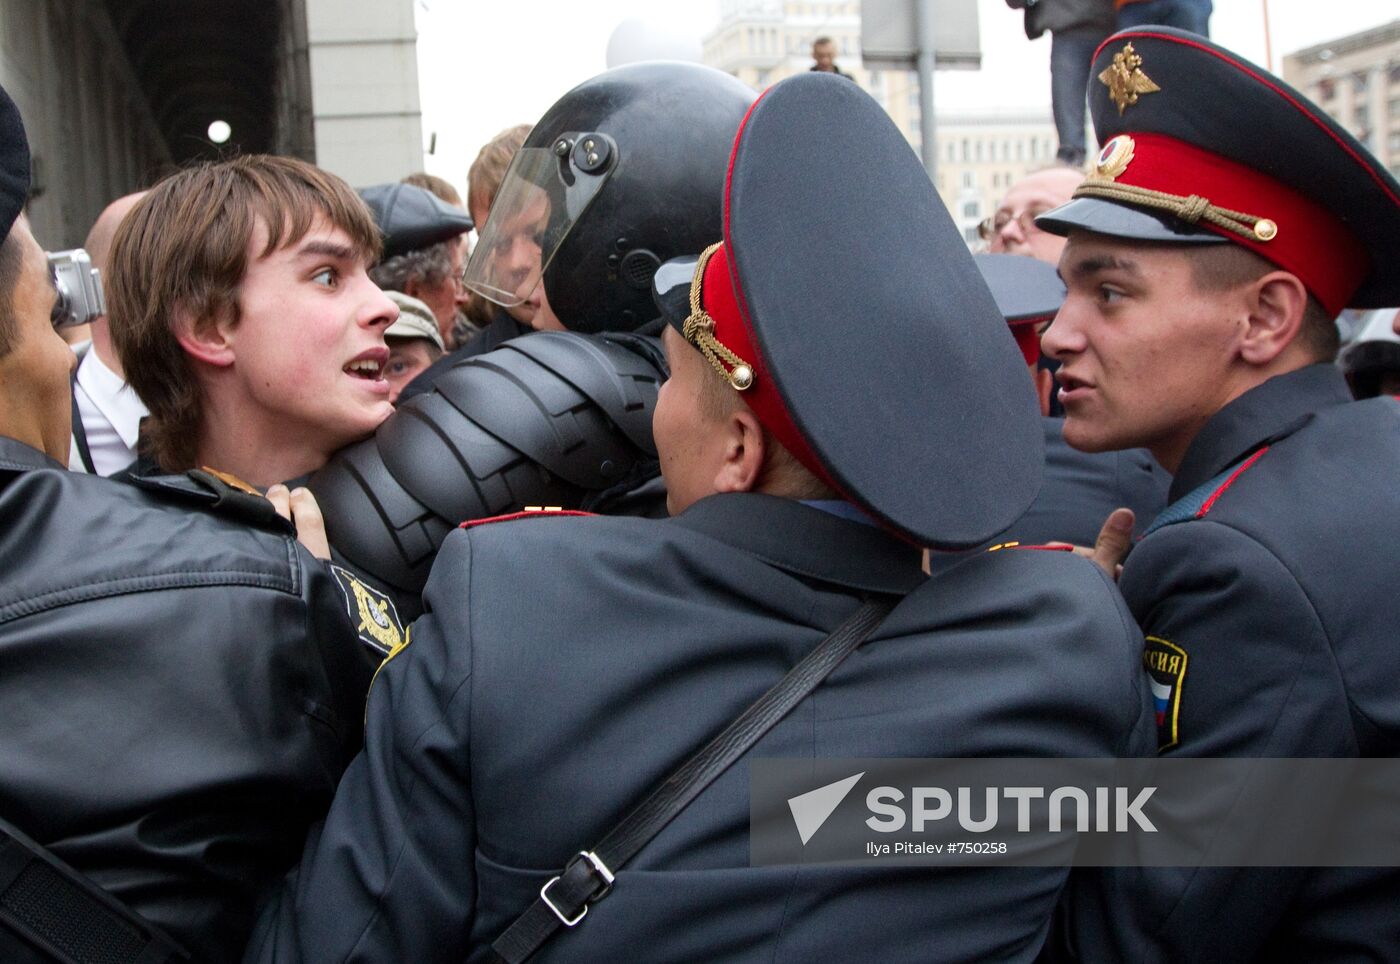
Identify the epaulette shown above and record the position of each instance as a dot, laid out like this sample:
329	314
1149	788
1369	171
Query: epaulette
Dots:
1197	503
529	512
220	493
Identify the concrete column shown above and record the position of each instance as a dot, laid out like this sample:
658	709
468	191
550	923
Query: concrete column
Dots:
364	88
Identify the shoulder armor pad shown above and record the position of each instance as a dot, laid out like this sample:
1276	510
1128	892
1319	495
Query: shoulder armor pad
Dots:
1200	500
214	491
548	419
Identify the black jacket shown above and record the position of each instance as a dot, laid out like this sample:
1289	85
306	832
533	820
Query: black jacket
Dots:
565	665
181	692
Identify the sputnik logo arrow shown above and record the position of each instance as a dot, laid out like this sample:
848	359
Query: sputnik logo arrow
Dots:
811	809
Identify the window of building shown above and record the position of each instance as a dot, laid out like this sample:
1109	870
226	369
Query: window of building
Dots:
970	235
1326	89
978	150
1360	81
1395	108
1395	75
969	180
970	209
951	152
966	151
1361	117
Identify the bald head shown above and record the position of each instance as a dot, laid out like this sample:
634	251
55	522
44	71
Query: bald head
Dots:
99	247
104	229
1013	224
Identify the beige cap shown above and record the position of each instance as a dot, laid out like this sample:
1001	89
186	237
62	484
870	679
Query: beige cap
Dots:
415	320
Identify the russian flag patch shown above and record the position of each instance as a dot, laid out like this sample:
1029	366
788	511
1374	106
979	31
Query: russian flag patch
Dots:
1165	663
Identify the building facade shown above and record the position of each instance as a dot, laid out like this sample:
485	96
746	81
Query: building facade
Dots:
1356	79
117	93
979	154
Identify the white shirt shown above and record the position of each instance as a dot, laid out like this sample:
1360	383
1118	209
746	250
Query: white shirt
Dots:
111	415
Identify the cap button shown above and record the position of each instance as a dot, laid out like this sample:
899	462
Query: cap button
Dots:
1265	230
741	377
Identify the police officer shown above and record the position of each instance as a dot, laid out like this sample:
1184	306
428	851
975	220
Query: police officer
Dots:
1227	221
1081	489
181	687
565	664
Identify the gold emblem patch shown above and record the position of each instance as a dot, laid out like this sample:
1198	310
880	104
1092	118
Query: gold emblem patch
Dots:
377	621
1125	80
1115	157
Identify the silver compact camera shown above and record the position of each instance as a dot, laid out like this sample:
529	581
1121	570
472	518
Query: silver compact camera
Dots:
79	287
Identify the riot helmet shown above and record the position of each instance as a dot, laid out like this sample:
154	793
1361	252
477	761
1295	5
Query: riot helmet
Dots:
624	172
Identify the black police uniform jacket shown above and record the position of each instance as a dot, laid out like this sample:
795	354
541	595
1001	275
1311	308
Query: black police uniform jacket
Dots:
1267	595
179	692
564	666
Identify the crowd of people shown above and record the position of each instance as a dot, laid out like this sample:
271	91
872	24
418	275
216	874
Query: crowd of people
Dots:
358	585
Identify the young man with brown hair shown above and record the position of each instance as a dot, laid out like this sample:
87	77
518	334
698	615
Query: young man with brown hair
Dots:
241	306
181	688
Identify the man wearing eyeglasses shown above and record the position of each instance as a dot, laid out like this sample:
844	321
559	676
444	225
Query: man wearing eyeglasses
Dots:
1012	230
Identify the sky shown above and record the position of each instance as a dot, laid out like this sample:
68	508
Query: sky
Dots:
485	66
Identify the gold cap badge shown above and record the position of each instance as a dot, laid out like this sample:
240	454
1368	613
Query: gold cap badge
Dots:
1115	157
1125	80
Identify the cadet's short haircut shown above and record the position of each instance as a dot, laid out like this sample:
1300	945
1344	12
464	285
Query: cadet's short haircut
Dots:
821	41
11	263
781	471
1220	267
435	185
183	250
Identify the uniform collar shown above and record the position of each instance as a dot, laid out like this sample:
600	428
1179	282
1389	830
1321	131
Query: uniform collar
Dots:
15	455
1264	414
808	541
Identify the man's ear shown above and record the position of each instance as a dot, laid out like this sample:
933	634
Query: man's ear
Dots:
742	461
207	340
1275	305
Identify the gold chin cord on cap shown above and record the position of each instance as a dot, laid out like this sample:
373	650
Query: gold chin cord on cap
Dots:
1118	154
699	330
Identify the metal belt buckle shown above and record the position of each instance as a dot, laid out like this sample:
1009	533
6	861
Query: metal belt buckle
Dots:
600	868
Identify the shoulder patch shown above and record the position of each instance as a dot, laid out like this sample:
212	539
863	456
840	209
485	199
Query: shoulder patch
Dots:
376	619
529	512
1165	663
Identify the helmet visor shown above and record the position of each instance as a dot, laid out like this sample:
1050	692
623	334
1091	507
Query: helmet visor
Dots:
544	193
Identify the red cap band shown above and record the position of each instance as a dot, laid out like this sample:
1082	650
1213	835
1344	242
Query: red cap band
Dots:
1311	242
718	298
1027	335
